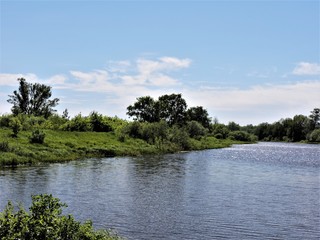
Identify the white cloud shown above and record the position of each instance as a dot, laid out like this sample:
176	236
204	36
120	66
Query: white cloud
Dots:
114	89
259	103
305	68
8	79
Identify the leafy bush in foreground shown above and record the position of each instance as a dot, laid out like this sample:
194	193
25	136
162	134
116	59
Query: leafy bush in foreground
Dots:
46	222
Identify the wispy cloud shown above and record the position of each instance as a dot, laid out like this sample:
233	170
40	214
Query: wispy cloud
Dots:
305	68
120	83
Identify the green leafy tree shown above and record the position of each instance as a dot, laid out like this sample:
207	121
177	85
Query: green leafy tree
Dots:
200	115
233	126
144	109
315	118
172	109
32	99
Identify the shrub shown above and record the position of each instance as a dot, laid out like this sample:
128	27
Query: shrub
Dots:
195	129
314	136
98	123
78	123
242	136
4	146
37	136
154	131
15	125
220	131
133	129
45	221
179	137
5	120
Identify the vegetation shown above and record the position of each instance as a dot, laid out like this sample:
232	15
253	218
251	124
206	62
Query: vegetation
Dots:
32	99
45	221
296	129
30	135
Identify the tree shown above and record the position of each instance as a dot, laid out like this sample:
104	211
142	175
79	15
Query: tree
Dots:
299	128
172	109
200	115
144	110
315	118
32	99
233	126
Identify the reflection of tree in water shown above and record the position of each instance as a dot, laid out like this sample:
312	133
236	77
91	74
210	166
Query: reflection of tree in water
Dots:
19	184
157	185
159	164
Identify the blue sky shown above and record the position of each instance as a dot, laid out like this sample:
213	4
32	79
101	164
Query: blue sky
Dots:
244	61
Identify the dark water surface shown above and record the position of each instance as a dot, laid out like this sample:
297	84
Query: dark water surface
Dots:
260	191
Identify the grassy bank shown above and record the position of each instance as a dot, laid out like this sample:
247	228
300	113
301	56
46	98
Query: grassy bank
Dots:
62	146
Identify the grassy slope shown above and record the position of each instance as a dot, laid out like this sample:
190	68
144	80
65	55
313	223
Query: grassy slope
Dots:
64	146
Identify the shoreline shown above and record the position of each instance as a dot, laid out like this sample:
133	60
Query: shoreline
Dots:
63	146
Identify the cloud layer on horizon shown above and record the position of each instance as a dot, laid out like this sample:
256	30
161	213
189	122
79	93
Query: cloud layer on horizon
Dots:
122	82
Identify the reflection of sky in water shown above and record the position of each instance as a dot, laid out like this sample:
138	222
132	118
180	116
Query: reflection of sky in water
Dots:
266	190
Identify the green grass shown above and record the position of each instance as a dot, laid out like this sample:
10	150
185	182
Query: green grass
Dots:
62	146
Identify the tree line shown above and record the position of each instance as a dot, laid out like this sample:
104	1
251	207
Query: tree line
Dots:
167	118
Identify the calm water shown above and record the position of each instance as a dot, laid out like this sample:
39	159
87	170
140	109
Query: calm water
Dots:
260	191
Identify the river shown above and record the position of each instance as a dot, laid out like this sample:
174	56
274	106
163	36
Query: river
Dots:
257	191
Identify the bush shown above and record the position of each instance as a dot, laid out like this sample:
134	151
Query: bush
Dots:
179	137
4	146
78	123
315	136
46	222
5	120
195	129
133	129
15	125
154	131
242	136
220	131
37	136
98	123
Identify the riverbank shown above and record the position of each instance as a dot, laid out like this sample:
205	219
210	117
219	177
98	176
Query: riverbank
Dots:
60	146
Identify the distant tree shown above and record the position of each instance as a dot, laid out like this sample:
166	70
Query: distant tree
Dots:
172	109
300	128
65	114
144	110
32	99
200	115
233	126
315	118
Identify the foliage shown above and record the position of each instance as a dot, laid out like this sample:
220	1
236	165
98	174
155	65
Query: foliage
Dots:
4	146
195	129
78	123
220	131
15	125
172	109
315	118
242	136
32	99
144	110
179	137
232	126
5	120
200	115
99	123
37	136
45	221
315	136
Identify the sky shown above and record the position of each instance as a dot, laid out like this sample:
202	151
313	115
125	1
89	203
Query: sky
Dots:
244	61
